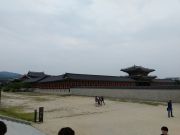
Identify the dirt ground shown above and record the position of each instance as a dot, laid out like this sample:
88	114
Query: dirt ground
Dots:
80	113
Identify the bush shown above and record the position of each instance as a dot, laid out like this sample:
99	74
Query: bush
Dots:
177	82
15	86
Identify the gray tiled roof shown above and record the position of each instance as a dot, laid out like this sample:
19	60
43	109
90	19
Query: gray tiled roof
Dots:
96	77
52	79
35	74
73	76
33	80
135	68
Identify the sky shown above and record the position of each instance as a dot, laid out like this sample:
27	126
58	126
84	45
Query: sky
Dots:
90	36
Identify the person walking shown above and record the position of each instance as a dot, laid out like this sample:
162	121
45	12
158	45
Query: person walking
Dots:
96	99
170	109
102	100
99	101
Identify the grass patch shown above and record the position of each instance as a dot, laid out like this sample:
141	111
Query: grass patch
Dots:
16	112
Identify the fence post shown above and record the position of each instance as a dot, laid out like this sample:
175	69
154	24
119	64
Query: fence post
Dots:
41	114
35	116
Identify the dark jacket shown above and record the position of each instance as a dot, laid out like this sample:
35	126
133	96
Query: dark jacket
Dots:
169	105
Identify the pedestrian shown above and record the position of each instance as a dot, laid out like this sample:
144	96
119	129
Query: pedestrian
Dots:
66	131
164	130
170	109
96	100
99	101
102	100
3	128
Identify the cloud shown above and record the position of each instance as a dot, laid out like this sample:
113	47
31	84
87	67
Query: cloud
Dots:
90	36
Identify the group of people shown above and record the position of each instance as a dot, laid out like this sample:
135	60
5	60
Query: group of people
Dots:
69	131
66	130
99	100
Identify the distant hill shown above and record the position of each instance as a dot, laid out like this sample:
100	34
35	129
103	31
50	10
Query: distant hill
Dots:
9	75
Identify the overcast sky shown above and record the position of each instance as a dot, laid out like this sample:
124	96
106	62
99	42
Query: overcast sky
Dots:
90	36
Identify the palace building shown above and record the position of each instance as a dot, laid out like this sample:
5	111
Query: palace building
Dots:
137	77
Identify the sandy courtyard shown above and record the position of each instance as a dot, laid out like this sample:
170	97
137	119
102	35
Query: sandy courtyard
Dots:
80	113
